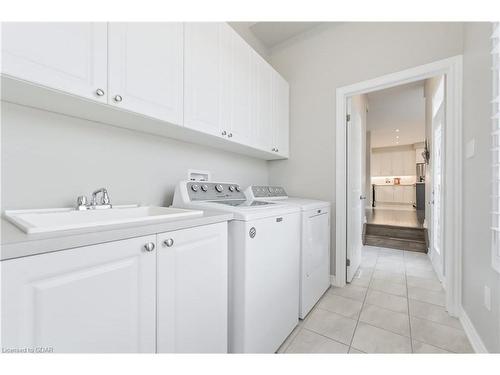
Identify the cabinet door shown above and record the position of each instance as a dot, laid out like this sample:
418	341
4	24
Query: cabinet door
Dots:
281	97
202	76
386	164
398	194
70	57
397	162
262	106
192	290
409	194
410	163
236	81
146	68
93	299
375	164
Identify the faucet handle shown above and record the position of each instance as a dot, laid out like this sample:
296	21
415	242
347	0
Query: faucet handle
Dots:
105	197
81	202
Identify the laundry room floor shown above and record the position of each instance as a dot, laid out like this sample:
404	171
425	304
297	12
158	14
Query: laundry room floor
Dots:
395	304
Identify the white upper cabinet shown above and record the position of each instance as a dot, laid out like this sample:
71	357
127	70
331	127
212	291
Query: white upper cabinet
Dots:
262	103
71	57
236	81
281	109
203	76
95	299
146	68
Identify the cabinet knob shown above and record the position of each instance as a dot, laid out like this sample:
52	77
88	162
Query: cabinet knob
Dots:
277	149
230	135
118	98
150	246
274	149
224	132
168	242
99	92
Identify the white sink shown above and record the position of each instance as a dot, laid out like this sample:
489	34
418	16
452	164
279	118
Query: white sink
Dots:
51	220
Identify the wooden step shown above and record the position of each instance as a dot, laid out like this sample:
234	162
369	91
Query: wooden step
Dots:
395	232
396	243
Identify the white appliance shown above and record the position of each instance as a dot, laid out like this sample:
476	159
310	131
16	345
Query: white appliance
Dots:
264	252
315	242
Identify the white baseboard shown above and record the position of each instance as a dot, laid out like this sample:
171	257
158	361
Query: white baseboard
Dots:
470	331
332	280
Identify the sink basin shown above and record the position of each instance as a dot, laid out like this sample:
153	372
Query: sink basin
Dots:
51	220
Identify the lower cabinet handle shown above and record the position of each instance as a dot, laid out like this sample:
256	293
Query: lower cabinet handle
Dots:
150	246
168	242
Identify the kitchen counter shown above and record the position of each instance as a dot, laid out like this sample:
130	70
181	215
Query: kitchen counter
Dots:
15	243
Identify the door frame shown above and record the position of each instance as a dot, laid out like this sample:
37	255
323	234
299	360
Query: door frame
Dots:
452	203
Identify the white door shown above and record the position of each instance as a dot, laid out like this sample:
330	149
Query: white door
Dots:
93	299
146	68
71	57
262	105
203	77
192	290
281	97
355	183
437	255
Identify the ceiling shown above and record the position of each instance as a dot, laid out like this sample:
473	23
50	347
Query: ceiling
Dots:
273	33
396	116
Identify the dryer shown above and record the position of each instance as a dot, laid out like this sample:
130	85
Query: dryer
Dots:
315	242
264	253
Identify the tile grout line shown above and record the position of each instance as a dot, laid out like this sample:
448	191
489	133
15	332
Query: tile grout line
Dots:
408	305
363	304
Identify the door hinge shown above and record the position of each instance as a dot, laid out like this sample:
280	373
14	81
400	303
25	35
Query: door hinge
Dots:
348	262
348	118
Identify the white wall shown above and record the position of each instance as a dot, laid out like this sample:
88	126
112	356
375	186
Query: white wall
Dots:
49	159
476	264
331	57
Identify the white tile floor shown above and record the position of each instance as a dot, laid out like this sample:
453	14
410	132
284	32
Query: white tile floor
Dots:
395	304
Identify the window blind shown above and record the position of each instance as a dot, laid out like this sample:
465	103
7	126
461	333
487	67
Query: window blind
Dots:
495	139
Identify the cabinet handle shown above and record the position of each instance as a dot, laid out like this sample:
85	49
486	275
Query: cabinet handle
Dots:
99	92
168	242
118	98
224	132
274	149
150	246
277	149
230	135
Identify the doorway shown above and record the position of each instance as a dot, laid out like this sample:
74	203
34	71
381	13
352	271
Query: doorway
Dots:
450	207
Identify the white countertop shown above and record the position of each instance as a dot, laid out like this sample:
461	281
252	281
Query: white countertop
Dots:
15	243
394	184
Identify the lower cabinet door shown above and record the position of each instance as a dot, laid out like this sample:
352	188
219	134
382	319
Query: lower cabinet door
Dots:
192	290
92	299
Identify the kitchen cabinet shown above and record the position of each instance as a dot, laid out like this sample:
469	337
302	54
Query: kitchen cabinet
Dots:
146	68
94	299
66	56
409	194
393	162
262	107
192	290
404	194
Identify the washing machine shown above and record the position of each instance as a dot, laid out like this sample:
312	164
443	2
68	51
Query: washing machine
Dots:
315	242
264	254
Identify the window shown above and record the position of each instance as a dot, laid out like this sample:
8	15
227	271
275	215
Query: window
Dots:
495	135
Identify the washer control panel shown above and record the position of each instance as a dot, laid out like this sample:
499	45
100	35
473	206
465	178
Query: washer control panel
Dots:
209	191
268	191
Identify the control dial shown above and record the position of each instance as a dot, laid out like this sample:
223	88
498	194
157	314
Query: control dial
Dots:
231	188
194	187
237	188
219	188
204	187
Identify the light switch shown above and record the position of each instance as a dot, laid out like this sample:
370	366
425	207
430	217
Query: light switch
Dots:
470	148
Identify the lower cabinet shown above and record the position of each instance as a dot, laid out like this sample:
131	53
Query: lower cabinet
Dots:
157	293
192	290
395	193
92	299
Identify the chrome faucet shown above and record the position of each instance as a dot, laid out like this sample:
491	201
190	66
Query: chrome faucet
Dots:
81	202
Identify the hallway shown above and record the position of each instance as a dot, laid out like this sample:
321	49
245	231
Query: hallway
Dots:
395	304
